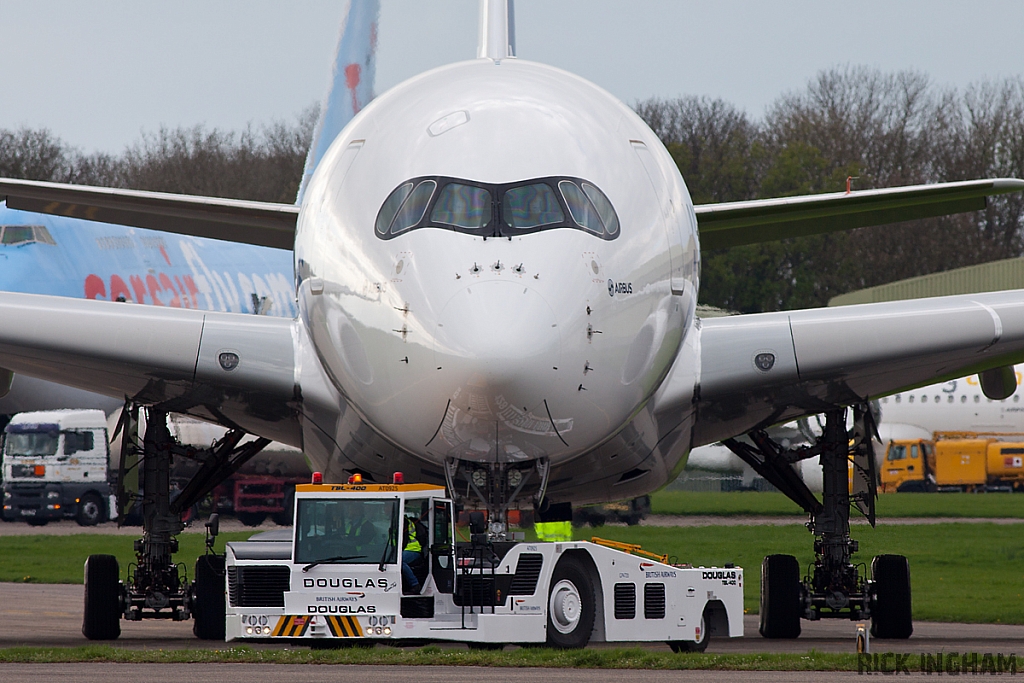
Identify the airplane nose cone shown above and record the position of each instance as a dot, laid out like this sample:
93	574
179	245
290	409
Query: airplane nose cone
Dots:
500	341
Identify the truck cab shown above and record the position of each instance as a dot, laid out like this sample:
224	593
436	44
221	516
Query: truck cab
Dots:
347	571
906	466
55	466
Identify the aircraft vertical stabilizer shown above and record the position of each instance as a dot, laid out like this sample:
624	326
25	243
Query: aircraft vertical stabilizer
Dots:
352	77
497	38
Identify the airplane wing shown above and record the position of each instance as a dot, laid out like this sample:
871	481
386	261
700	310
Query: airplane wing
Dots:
761	369
260	223
235	369
721	225
764	220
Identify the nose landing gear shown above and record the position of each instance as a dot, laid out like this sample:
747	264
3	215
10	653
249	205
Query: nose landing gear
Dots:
835	587
497	486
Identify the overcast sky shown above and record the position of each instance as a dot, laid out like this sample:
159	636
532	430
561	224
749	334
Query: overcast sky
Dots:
99	72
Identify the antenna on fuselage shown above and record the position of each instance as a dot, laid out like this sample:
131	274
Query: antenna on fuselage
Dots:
497	30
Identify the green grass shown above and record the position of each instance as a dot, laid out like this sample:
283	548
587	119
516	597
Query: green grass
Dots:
889	505
432	655
959	572
60	559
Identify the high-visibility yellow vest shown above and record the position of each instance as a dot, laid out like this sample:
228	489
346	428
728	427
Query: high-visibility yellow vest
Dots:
553	531
414	543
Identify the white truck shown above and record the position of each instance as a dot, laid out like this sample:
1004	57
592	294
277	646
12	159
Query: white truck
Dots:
55	466
337	579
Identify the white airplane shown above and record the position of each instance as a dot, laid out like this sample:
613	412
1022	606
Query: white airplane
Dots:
496	271
958	405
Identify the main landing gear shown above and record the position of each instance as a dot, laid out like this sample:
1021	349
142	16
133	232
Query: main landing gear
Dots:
835	587
156	587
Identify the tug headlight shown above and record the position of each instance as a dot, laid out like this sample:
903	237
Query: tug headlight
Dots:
53	494
387	630
248	630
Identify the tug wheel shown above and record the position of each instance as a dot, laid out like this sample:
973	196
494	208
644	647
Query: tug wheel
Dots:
570	605
701	645
208	598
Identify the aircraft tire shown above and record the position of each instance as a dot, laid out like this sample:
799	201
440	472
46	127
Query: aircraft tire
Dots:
890	605
251	518
101	619
680	646
284	518
208	598
90	510
571	605
780	597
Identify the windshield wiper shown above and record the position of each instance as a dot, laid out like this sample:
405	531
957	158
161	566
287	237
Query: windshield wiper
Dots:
329	560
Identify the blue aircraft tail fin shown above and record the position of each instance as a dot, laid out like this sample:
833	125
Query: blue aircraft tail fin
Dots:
351	86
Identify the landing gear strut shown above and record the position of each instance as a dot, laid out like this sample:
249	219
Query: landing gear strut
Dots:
157	587
835	587
497	486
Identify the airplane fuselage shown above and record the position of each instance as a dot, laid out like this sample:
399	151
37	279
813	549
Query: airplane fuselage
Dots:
456	332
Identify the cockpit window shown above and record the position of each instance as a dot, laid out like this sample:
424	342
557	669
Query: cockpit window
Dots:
462	206
391	206
490	210
604	208
414	207
531	206
25	234
583	212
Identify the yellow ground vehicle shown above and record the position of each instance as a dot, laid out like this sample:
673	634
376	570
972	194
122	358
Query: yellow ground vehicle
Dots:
955	461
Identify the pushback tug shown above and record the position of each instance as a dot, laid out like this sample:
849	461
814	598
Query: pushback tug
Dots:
338	577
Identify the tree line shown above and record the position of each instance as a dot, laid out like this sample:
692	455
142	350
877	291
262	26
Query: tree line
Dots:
884	129
260	163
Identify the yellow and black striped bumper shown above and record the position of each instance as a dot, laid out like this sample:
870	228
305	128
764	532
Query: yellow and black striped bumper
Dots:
296	626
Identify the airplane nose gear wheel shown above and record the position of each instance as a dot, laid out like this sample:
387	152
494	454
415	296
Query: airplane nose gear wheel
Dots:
570	605
565	606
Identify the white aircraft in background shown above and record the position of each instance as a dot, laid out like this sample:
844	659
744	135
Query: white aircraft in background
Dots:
496	272
958	405
63	255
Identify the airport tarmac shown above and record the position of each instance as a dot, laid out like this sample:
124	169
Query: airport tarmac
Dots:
45	615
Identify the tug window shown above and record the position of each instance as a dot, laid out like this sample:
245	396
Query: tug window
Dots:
342	531
492	210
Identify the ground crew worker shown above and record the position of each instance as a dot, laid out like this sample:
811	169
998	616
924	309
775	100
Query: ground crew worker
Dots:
412	552
553	531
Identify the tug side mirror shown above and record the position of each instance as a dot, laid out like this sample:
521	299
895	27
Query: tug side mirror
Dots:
212	529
